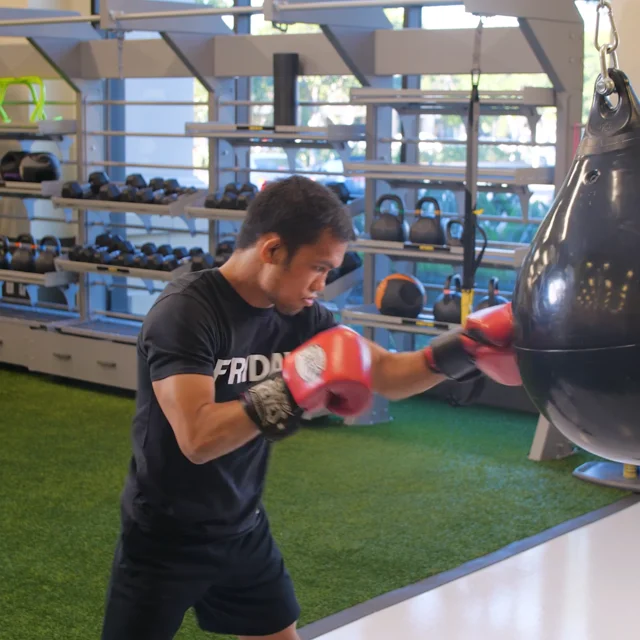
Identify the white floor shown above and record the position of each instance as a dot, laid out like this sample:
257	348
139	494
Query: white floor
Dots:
583	585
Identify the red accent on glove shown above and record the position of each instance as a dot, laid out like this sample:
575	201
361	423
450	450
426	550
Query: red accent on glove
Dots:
331	371
488	339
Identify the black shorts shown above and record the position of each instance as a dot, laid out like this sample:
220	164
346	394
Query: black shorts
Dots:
237	585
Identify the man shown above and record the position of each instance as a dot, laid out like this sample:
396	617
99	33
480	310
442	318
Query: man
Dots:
228	361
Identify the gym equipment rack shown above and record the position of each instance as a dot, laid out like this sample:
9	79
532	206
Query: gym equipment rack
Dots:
87	341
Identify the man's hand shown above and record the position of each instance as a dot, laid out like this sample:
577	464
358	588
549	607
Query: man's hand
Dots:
331	371
484	345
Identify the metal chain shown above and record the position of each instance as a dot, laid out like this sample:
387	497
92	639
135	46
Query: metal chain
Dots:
605	85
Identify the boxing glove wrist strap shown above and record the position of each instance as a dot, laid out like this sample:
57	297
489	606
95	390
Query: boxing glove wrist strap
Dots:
446	355
272	408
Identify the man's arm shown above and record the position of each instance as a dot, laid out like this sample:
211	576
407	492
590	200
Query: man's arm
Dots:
401	375
205	430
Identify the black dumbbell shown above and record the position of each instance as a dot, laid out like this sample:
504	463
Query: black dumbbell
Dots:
212	201
180	252
50	248
5	254
123	260
156	184
110	191
202	261
88	190
128	193
23	253
246	196
104	239
148	195
136	181
196	251
149	248
139	261
165	249
171	186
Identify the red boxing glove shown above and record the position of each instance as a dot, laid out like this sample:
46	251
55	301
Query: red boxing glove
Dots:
483	345
331	371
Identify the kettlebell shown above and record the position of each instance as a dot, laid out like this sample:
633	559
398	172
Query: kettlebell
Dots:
24	254
427	229
400	295
451	239
448	307
387	226
50	248
494	298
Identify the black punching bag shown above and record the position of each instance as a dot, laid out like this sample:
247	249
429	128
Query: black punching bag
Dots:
577	299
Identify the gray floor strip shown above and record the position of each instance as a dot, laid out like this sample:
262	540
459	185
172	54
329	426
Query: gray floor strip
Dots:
341	619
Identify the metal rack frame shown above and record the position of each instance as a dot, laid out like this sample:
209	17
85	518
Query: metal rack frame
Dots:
356	39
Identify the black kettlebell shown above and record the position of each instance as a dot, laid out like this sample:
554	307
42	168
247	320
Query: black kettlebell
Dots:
24	253
451	238
50	248
448	307
387	226
427	229
494	298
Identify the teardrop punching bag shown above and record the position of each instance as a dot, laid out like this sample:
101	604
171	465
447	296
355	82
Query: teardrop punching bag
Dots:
576	303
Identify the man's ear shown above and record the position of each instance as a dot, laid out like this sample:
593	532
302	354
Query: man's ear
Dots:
272	250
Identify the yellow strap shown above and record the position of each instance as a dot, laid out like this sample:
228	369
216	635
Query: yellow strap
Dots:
466	304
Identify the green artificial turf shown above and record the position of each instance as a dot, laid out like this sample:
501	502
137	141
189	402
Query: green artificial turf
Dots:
357	511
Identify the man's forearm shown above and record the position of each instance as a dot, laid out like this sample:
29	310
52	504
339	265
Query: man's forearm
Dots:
220	429
401	375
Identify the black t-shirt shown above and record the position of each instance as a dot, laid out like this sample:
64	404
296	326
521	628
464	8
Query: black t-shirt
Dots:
200	324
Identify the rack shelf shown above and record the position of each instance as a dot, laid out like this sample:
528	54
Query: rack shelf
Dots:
51	279
36	318
397	174
41	130
368	316
116	330
333	135
215	214
49	189
176	208
148	275
498	257
416	101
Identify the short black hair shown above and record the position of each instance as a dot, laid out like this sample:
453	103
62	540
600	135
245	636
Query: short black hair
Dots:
299	210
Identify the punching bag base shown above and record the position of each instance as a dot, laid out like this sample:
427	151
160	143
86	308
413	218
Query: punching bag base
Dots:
607	474
592	396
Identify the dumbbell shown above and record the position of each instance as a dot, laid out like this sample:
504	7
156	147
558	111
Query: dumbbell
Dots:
171	186
81	253
247	193
202	261
149	195
24	251
223	252
128	193
5	254
161	262
89	190
212	201
110	191
136	180
50	248
180	252
149	248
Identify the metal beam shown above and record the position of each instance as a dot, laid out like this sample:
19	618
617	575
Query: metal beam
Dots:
403	52
151	15
195	52
450	51
556	10
34	23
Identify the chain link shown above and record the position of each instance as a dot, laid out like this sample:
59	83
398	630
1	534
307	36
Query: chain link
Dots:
607	51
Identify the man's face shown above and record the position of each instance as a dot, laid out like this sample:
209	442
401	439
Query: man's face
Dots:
293	285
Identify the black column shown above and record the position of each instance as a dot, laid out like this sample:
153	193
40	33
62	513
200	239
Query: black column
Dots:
285	88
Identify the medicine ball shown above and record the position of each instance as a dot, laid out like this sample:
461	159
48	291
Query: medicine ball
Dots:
400	295
10	165
40	167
